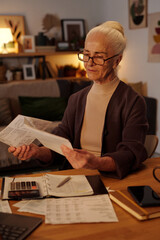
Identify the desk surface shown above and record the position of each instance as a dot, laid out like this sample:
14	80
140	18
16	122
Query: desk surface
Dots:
127	228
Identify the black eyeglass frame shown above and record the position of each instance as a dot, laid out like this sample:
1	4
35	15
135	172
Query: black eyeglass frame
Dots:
104	60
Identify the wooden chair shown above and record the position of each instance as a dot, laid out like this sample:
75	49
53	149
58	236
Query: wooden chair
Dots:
150	144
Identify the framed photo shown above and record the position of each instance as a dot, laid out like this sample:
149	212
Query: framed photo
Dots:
73	30
29	71
16	24
28	43
137	14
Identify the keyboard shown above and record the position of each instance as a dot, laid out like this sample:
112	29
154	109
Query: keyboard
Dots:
17	227
11	232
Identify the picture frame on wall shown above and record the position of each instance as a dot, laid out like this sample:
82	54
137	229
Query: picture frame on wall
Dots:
17	30
29	72
73	29
15	23
137	10
154	37
28	43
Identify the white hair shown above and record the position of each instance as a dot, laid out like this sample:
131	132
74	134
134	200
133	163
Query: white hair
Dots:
114	32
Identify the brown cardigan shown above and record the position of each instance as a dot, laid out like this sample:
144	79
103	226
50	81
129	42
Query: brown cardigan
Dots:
124	130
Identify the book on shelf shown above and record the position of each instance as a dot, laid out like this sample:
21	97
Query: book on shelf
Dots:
125	200
51	71
45	70
48	185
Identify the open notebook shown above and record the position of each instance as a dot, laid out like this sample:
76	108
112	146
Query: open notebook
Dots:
17	226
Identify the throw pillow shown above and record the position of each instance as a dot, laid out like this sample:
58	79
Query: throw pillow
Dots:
47	108
137	86
5	111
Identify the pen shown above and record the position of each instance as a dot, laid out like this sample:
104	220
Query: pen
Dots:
64	181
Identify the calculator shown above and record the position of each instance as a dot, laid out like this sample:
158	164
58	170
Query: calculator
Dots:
19	190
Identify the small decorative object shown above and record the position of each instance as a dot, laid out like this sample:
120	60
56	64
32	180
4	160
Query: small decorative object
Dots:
137	14
50	21
28	43
67	71
9	75
63	46
80	73
18	75
73	31
29	71
41	39
154	37
51	26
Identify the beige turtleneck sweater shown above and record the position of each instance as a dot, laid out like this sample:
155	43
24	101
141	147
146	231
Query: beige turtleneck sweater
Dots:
95	111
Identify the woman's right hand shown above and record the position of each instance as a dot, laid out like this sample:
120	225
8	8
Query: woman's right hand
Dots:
25	152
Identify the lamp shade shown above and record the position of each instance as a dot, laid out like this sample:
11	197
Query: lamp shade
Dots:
5	36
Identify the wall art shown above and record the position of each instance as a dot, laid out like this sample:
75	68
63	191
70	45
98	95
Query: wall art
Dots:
137	14
154	37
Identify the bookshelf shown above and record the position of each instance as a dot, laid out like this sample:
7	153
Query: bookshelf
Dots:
39	55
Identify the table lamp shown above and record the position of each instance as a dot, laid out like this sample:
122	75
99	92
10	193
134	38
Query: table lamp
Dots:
5	37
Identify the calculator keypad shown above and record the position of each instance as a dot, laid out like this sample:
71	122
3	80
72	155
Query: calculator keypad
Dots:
20	190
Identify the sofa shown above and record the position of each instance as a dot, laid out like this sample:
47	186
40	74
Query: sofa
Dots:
46	99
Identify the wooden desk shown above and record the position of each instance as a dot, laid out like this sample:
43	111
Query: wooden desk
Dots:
127	228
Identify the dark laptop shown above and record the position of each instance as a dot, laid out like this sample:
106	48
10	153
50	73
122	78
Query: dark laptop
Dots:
18	227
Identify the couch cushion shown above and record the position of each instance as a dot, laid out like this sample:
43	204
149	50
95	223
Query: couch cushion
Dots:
5	111
47	108
78	85
68	87
137	86
64	87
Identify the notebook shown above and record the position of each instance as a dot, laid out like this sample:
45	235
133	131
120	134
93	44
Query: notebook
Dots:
79	185
18	226
124	200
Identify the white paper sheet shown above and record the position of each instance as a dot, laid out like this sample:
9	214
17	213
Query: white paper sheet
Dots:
4	206
97	208
20	203
80	210
34	206
24	130
77	186
49	140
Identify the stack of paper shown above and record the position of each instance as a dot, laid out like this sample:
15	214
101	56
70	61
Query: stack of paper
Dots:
97	208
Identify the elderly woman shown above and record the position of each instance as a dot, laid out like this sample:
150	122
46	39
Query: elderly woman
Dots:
105	122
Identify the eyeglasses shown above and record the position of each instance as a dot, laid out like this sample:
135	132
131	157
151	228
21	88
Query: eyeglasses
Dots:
98	60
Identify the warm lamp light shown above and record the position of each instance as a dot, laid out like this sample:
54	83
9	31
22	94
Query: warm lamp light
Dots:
5	37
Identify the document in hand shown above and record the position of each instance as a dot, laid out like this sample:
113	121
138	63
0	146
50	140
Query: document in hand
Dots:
24	130
124	200
78	185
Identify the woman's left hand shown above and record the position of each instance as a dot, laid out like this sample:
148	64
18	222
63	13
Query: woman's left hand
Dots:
79	158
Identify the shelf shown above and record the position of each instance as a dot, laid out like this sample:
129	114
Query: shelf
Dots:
38	55
35	54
